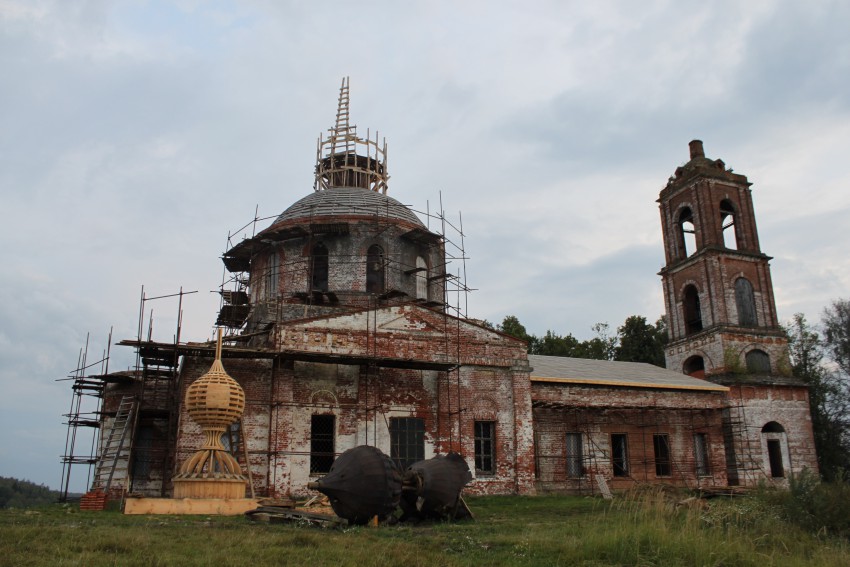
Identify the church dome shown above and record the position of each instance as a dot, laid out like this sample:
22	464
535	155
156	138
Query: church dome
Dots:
347	201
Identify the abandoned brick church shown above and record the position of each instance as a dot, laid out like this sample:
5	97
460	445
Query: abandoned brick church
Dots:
338	330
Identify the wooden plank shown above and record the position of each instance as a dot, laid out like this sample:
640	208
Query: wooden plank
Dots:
185	506
603	487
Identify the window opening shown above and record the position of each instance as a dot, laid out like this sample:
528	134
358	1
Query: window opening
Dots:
701	454
774	456
746	302
575	456
421	278
693	313
322	428
687	232
231	437
758	362
727	222
319	257
407	440
661	446
694	366
620	454
375	269
143	452
484	443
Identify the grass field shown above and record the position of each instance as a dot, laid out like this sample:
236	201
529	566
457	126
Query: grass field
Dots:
644	528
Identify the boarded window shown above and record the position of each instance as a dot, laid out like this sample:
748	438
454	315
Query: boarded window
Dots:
421	278
319	261
575	455
322	428
758	362
407	440
485	436
143	452
620	454
693	313
701	454
661	446
375	269
272	275
746	301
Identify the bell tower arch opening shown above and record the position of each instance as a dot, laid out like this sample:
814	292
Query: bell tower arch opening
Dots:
728	228
687	232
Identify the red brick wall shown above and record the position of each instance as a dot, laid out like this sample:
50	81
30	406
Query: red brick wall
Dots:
598	412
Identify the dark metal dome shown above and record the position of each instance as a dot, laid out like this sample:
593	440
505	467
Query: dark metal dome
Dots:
340	201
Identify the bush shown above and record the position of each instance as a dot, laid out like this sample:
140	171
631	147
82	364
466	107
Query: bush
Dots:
820	507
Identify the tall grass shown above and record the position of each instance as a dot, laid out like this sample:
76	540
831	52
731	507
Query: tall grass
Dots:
644	527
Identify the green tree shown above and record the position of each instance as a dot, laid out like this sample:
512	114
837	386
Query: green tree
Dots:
836	327
16	493
511	326
829	398
551	344
601	347
638	341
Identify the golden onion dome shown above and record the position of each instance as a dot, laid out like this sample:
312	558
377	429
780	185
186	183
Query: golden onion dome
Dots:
215	400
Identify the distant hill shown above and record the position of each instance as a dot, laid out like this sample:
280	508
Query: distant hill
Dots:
16	493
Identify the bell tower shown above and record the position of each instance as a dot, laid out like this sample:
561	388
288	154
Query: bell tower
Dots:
718	294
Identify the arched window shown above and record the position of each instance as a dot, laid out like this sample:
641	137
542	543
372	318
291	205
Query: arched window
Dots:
772	427
421	278
727	222
375	269
319	261
693	315
773	435
272	274
694	366
687	232
746	302
758	362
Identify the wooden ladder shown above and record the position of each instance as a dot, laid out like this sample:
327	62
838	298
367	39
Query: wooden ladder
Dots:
115	451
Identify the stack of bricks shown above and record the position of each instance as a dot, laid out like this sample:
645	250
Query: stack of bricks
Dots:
93	501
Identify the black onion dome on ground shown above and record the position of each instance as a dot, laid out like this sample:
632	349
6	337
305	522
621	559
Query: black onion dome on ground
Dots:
438	483
363	483
347	201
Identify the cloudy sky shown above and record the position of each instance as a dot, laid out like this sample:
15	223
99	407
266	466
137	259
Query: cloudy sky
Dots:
134	135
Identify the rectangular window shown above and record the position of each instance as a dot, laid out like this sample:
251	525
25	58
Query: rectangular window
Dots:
701	454
322	429
407	440
620	454
272	274
661	445
485	436
774	456
575	456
